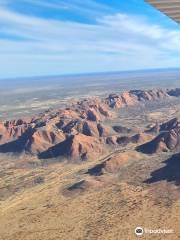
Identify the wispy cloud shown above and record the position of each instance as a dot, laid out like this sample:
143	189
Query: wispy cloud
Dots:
75	4
87	9
36	45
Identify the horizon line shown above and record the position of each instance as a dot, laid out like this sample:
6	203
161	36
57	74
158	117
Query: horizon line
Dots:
89	73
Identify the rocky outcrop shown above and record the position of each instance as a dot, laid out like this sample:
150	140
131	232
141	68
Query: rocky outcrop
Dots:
92	110
121	100
174	92
12	130
150	95
124	140
114	163
79	131
45	131
43	139
77	147
171	124
168	139
121	129
135	96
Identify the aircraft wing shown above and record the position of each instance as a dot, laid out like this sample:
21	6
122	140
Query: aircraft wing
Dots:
171	8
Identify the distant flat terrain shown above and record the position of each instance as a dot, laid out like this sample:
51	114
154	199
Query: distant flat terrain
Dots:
22	97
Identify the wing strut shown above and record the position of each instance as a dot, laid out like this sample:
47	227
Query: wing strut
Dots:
171	8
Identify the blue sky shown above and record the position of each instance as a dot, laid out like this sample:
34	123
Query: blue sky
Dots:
51	37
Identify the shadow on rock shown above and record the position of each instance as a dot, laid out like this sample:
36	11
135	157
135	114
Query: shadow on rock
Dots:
170	172
19	145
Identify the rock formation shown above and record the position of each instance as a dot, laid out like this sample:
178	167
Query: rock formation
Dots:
79	131
168	139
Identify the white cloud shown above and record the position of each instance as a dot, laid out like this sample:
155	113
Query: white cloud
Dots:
88	8
115	42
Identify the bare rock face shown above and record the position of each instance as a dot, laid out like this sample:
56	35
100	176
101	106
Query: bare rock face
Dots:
92	115
171	124
128	98
164	142
86	127
12	130
174	92
93	110
124	140
118	140
150	95
77	147
65	128
89	129
84	147
114	101
124	99
168	139
103	130
121	129
43	139
79	131
135	96
112	140
141	138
